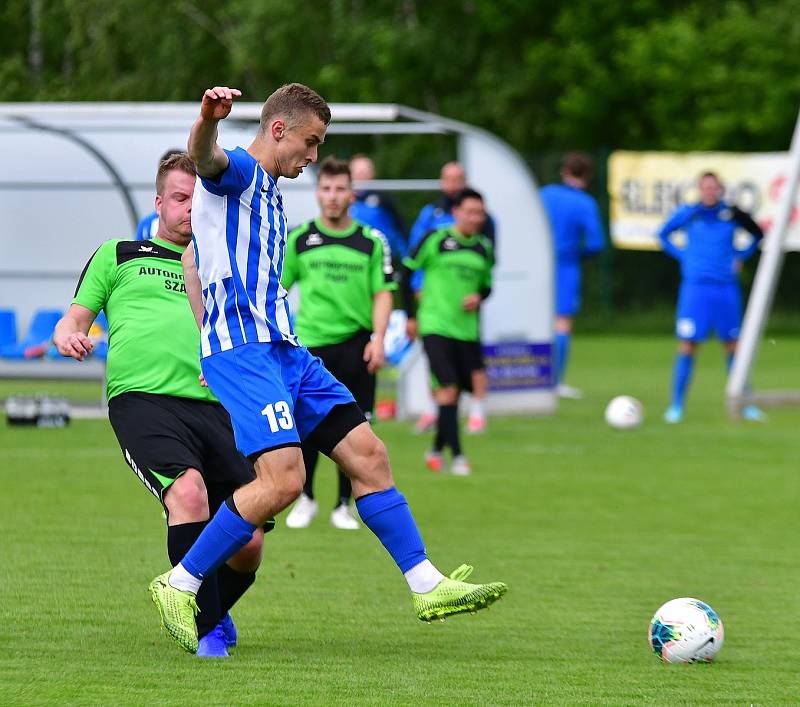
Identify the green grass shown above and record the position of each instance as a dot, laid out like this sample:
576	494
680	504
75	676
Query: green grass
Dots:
76	391
592	529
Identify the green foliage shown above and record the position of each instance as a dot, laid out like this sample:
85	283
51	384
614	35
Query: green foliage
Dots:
686	75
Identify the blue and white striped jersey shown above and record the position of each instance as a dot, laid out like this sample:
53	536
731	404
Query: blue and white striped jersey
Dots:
239	238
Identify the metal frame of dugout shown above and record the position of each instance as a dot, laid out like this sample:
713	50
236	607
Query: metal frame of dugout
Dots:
73	152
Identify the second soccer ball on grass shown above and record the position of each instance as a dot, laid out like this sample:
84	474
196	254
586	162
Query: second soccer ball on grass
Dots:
624	413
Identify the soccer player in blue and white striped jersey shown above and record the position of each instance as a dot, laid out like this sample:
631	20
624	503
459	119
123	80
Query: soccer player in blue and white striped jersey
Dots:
275	391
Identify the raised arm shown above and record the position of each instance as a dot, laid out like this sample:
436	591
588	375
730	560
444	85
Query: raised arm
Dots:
194	290
209	158
70	336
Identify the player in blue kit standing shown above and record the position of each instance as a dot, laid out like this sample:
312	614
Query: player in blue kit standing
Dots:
276	392
577	235
709	295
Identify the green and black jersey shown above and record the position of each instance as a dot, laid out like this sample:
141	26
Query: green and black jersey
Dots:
153	341
455	266
338	273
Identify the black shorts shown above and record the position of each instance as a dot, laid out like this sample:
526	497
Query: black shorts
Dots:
452	361
346	361
161	436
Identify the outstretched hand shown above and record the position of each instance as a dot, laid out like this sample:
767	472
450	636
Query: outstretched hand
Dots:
217	102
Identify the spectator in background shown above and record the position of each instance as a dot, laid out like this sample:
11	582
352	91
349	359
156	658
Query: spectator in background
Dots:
376	209
577	234
452	180
432	217
148	226
709	297
458	263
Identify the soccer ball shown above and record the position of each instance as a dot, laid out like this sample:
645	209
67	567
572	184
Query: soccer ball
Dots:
686	631
624	413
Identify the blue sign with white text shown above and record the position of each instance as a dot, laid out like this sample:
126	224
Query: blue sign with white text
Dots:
513	366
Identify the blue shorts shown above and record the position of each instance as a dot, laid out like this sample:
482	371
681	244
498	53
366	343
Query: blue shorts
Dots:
568	288
275	393
703	306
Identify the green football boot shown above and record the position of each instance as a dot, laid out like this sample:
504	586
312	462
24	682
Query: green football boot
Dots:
177	609
455	596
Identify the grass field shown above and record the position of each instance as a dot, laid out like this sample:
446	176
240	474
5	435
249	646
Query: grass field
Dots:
592	529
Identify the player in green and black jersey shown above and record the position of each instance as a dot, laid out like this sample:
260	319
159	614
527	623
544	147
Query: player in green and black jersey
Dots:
344	271
457	261
172	431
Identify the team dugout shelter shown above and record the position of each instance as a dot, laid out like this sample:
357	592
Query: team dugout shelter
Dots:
81	173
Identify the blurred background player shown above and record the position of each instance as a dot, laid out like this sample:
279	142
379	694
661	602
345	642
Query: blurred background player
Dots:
577	234
172	431
344	271
452	181
148	226
457	261
709	296
377	209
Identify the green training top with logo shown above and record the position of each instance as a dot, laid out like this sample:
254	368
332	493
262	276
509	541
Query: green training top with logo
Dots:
338	273
153	340
455	266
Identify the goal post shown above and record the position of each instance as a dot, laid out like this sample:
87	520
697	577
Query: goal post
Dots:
738	393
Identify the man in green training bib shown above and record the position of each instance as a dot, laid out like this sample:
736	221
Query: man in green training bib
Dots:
344	271
458	262
173	433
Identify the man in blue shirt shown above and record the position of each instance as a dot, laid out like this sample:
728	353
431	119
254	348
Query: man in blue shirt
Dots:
148	226
577	234
709	295
376	209
432	217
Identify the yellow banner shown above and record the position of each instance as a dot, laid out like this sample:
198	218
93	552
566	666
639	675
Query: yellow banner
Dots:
646	187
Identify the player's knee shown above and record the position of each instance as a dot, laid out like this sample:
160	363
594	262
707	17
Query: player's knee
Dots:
286	485
292	486
187	497
376	456
447	396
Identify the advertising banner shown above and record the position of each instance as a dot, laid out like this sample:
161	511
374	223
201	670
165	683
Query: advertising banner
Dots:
646	187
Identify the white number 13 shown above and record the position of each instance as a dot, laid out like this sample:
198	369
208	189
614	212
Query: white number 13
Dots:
278	416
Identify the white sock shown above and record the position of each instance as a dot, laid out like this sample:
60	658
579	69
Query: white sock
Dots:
181	579
476	407
423	577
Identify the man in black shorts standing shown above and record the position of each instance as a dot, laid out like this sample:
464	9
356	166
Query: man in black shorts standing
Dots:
173	433
344	271
457	261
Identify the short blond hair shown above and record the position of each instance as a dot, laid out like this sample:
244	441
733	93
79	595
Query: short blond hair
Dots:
293	102
180	161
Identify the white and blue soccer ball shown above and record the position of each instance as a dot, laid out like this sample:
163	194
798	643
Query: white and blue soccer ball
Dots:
686	631
624	413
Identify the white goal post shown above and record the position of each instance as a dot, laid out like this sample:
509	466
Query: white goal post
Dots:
738	393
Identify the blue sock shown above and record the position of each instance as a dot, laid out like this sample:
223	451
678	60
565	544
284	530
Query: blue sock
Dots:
226	533
386	514
681	374
562	355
